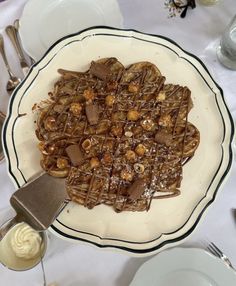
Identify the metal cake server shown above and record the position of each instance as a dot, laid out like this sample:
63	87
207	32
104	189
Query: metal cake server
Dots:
38	203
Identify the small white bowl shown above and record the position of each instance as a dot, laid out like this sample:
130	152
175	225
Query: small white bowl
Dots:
13	262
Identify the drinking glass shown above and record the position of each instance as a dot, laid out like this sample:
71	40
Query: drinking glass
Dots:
226	51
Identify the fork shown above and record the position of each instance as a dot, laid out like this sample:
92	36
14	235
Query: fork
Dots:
217	252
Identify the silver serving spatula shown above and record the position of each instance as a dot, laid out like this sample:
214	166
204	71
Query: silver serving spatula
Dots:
38	203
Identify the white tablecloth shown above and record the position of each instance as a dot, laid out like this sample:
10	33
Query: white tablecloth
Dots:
79	264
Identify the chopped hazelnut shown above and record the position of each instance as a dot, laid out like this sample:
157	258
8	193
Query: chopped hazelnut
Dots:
107	159
86	145
89	94
127	175
76	108
102	127
139	168
94	162
165	120
130	155
108	145
118	116
46	149
58	108
133	87
140	149
128	134
117	131
137	130
63	100
161	96
41	146
62	163
51	149
50	123
110	100
133	115
147	124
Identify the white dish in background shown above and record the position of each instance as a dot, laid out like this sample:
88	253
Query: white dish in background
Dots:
44	22
169	220
184	267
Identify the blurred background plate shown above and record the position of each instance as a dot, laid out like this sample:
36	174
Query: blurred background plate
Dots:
168	221
184	267
44	22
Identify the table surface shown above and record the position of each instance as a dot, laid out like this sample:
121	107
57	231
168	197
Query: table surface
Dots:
71	264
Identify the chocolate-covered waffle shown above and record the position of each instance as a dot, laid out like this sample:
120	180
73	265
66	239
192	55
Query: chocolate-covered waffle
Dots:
119	135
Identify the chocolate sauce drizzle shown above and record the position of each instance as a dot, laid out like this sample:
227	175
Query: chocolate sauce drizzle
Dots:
104	184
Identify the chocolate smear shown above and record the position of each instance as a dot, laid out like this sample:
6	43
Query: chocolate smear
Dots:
101	71
136	189
75	154
163	138
92	113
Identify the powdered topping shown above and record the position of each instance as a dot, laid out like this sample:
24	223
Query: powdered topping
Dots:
130	131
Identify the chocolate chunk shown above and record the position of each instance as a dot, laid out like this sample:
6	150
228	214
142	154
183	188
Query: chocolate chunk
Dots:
75	154
92	113
136	189
101	71
163	138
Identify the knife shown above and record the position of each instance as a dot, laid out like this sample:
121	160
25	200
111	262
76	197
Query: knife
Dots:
12	34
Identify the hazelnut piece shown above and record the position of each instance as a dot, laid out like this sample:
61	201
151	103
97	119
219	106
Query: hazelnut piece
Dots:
89	94
62	163
140	149
161	96
139	168
133	115
50	123
147	124
117	131
130	155
94	162
86	145
165	120
110	100
133	87
127	175
76	108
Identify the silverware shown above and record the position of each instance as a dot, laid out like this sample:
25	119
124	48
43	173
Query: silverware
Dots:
217	252
2	118
17	26
12	34
13	80
38	203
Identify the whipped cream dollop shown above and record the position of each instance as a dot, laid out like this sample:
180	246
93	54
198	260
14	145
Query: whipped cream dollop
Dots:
25	241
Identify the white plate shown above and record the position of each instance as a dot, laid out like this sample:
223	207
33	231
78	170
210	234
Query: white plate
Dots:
184	267
44	22
169	220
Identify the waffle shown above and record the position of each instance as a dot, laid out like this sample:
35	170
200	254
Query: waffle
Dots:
119	135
